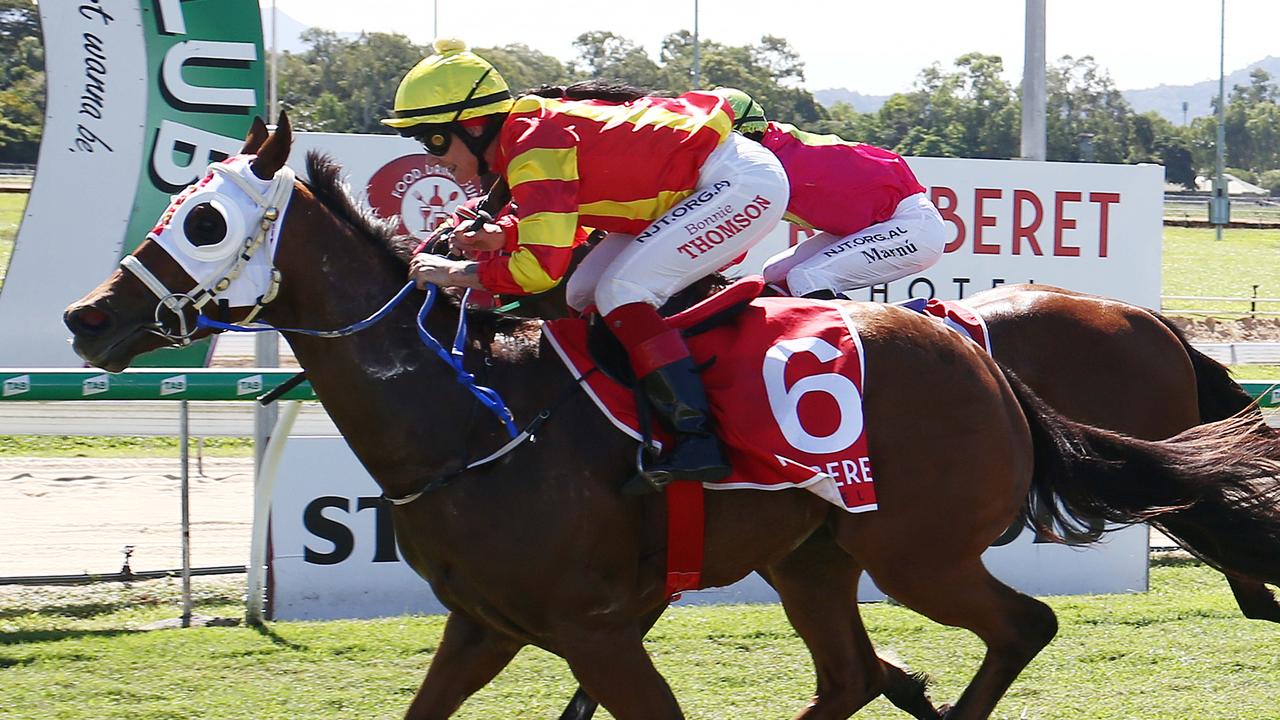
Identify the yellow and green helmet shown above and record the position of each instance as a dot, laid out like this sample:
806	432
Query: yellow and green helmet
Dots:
748	116
451	85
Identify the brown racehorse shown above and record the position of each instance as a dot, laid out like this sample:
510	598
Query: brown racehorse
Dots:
544	549
1111	364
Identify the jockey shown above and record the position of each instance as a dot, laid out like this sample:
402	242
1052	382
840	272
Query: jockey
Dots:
876	223
651	172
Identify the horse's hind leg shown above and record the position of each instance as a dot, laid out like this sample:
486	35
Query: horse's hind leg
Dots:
469	656
614	668
1014	627
818	585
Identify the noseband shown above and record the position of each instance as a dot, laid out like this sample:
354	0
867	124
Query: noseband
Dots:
268	206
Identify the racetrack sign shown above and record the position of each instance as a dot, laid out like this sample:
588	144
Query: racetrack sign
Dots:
142	95
334	554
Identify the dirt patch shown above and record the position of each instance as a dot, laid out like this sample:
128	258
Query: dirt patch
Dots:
1219	330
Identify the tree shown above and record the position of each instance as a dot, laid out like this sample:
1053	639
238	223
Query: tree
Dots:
22	82
525	68
340	85
607	56
1084	103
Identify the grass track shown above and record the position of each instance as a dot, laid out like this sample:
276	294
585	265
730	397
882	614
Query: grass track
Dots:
1196	264
11	207
1180	651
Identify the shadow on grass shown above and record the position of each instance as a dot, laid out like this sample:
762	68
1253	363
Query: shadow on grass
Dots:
267	632
95	609
35	636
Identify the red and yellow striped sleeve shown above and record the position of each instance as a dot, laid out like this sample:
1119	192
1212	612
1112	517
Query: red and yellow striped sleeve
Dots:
543	176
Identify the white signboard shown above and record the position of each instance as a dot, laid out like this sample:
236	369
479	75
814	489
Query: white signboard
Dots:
334	553
77	213
1086	227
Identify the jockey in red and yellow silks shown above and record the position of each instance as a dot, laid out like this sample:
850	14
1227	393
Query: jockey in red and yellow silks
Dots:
876	222
613	167
678	193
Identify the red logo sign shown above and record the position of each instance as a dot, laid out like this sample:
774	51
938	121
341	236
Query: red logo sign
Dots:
420	194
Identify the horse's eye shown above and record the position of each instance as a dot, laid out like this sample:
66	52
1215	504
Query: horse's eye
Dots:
205	226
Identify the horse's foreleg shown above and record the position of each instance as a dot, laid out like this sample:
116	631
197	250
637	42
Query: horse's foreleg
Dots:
614	668
582	706
1255	599
469	656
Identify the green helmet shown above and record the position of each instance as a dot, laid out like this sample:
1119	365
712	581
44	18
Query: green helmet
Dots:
748	116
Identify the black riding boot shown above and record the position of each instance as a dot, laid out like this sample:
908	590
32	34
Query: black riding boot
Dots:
675	391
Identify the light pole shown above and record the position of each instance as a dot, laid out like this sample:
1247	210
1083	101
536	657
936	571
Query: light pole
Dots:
1034	124
697	54
273	101
1220	204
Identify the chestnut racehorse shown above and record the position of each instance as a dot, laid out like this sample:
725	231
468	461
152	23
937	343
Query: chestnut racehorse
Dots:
542	547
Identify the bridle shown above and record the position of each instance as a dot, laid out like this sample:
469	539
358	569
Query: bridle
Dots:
270	207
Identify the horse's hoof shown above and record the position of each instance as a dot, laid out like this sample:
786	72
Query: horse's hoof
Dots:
944	711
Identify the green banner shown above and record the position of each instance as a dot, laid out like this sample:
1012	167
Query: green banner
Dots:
165	384
207	67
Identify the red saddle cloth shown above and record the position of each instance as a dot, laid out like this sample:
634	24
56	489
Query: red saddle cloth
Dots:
784	378
956	316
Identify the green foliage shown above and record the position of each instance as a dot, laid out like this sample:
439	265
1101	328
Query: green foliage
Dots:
21	81
1270	180
525	68
341	85
1179	651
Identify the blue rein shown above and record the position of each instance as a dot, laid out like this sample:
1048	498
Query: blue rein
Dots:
488	397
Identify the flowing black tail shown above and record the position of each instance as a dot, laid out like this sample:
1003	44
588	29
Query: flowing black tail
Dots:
1221	480
1219	396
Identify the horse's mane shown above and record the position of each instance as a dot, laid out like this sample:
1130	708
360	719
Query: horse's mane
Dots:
326	184
607	90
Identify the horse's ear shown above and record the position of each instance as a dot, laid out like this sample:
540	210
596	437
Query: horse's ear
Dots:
275	151
257	135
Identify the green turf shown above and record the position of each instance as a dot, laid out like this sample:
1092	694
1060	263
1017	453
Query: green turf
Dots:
1197	264
92	446
1255	372
1180	651
11	207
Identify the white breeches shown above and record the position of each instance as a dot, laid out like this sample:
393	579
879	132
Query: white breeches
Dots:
903	245
741	194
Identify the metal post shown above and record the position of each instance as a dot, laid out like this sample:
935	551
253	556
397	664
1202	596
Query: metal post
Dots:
697	50
184	437
1220	195
274	102
1034	127
263	487
435	19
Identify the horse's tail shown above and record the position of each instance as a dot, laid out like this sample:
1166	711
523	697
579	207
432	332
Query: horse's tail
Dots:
1219	396
1218	480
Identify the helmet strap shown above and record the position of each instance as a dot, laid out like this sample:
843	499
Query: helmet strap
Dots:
478	144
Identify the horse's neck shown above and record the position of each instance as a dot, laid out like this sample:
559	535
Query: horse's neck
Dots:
398	404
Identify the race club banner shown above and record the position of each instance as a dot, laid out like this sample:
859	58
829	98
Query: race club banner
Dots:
142	96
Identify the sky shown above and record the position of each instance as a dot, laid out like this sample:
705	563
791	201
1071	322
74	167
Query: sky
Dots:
874	48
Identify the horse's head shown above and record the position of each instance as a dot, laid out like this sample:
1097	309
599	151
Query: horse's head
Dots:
210	252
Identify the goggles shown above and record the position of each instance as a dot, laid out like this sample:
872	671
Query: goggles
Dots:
435	138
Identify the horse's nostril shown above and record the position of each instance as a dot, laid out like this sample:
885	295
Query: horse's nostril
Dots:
88	320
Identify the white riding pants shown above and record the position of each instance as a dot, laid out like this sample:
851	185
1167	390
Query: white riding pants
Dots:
908	242
741	194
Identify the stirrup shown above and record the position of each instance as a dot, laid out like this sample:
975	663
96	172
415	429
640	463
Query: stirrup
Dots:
645	482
